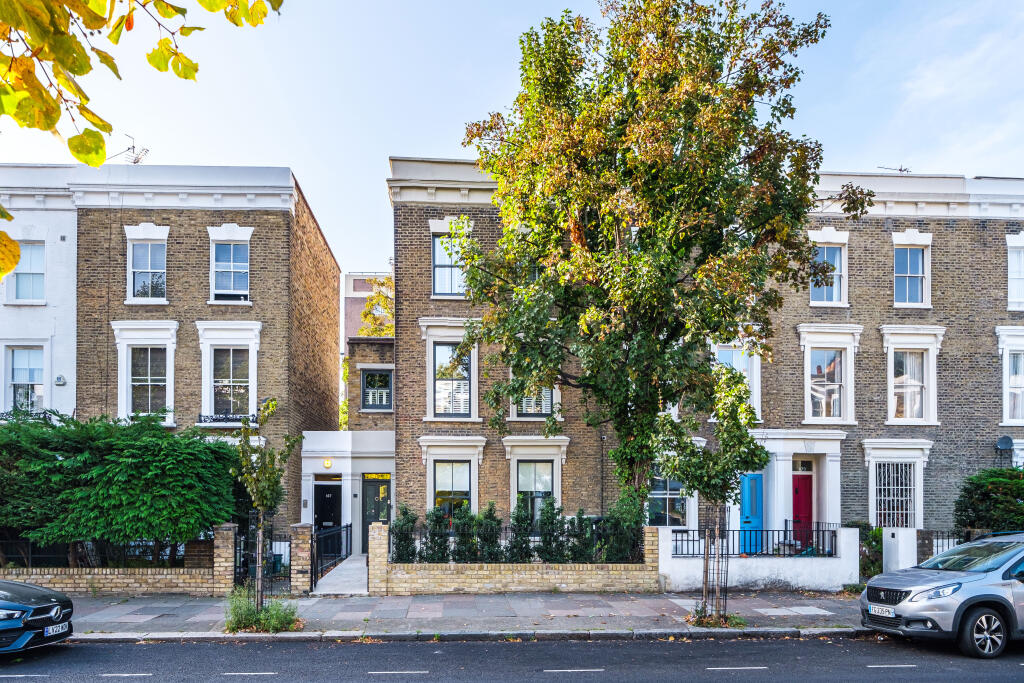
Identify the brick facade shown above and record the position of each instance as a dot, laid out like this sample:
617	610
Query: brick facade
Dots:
368	351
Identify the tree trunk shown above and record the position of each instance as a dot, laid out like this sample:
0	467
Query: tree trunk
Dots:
259	561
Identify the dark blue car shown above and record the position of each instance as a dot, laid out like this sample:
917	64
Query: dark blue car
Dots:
31	616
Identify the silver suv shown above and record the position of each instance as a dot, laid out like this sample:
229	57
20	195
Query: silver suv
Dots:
973	593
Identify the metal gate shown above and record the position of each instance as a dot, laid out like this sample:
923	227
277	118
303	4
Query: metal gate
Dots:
331	545
276	558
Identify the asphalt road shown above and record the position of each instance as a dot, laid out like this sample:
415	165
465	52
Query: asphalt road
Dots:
535	661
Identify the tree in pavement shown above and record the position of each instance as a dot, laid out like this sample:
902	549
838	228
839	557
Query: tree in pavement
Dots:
654	205
260	467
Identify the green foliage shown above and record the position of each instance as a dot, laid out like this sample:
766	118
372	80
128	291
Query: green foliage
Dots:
488	532
116	481
552	547
242	614
992	499
870	549
343	406
403	540
517	549
436	547
464	528
659	202
623	529
378	315
581	537
259	466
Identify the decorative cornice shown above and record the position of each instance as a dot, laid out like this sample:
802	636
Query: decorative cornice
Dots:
826	333
560	444
467	443
1010	336
829	235
915	450
920	335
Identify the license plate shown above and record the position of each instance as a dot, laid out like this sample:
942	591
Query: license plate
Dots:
56	628
880	611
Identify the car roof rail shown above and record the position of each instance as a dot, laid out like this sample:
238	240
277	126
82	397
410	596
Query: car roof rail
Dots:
997	533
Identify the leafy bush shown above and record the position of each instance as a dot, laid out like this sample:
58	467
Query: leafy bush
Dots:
403	541
870	549
518	549
622	529
992	499
436	546
488	533
243	615
581	538
552	546
464	526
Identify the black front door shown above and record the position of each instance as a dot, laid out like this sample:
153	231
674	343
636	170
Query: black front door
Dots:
326	505
376	503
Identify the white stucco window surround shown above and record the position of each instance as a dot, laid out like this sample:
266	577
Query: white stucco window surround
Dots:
146	264
7	366
538	448
896	481
437	448
829	350
227	334
914	393
912	276
749	364
440	227
1018	453
451	331
1011	352
130	334
838	295
1015	272
514	414
235	294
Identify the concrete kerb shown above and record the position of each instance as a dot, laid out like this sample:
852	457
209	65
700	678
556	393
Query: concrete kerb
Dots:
682	633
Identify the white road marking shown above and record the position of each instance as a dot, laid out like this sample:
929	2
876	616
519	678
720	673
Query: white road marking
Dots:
124	675
892	666
397	672
249	673
24	675
571	671
735	668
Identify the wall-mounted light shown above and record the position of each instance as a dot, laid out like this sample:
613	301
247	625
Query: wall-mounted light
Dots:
327	463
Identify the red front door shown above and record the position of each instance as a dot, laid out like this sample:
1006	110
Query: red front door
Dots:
803	508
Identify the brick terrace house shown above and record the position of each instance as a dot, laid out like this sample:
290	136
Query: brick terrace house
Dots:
202	291
886	389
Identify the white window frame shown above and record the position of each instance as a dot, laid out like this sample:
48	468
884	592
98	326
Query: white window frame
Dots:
442	226
437	447
926	338
221	334
132	333
138	234
556	409
1010	339
753	375
915	239
830	237
229	233
552	449
1013	242
12	278
449	330
914	451
845	337
6	345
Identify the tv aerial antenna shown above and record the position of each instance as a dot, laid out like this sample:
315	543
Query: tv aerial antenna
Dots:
901	169
134	154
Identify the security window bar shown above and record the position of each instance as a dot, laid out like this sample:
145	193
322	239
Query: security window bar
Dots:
30	274
827	383
376	390
451	382
231	381
534	484
149	379
1016	388
895	495
666	506
149	270
26	379
230	271
451	485
908	384
833	291
1015	278
909	282
448	278
536	406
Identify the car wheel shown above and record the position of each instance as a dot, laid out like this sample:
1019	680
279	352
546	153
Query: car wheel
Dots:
983	633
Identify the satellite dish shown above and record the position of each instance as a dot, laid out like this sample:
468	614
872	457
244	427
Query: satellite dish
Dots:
1004	443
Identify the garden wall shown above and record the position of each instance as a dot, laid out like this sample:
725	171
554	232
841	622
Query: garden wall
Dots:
215	579
386	578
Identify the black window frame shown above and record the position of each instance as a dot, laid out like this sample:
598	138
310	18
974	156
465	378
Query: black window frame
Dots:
362	388
434	267
469	380
523	413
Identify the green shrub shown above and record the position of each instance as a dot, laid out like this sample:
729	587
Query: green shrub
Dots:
580	535
518	549
992	499
464	526
622	529
870	549
242	614
552	546
403	540
488	533
436	546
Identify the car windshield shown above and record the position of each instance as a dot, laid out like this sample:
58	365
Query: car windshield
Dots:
978	556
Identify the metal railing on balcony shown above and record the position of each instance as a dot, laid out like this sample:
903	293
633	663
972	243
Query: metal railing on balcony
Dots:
224	419
812	542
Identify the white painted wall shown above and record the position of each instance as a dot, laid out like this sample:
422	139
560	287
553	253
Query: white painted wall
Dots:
899	548
805	573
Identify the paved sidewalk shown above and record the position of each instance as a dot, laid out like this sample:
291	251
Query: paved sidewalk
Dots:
519	613
347	579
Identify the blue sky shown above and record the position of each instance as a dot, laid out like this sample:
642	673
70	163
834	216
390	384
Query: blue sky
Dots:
331	88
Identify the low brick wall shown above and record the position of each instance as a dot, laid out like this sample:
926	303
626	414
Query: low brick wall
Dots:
216	579
386	578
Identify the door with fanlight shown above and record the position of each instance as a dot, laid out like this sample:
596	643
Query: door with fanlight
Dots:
803	501
376	503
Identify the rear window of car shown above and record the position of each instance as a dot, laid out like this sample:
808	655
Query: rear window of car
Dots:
977	556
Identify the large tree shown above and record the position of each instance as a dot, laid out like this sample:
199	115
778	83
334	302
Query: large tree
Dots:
654	204
378	314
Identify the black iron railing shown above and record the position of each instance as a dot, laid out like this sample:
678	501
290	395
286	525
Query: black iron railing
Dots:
331	545
22	553
228	419
276	557
757	542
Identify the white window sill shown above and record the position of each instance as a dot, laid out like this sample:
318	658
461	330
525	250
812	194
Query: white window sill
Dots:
907	422
453	419
219	425
373	411
1015	306
213	302
829	304
538	418
1012	423
131	301
820	421
26	302
448	297
899	305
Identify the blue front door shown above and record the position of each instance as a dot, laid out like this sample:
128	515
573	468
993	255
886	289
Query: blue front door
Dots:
751	513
